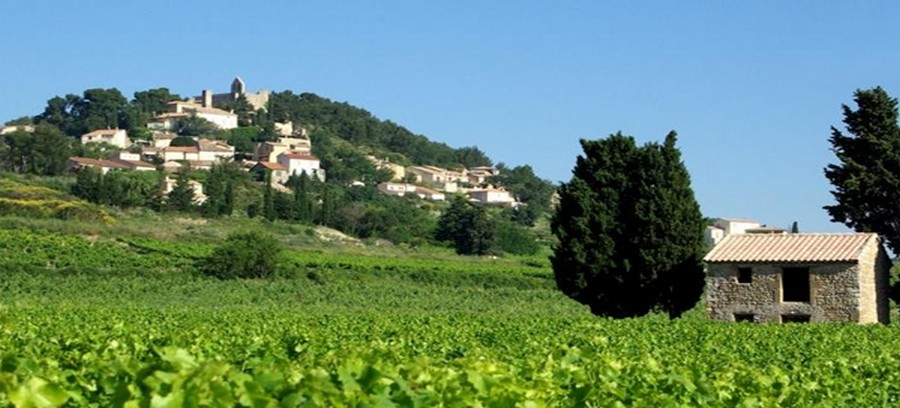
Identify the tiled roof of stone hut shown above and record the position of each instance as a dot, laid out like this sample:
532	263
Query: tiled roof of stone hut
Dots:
790	247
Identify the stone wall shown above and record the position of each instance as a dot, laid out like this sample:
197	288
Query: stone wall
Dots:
834	292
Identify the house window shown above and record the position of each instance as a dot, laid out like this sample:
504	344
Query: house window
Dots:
795	318
795	285
745	275
744	317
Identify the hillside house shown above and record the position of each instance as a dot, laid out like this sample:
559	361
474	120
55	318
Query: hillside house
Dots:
78	163
181	109
398	172
269	151
5	130
727	226
278	172
298	163
214	150
479	175
735	226
429	194
179	153
798	278
436	177
397	189
492	196
162	138
115	137
402	189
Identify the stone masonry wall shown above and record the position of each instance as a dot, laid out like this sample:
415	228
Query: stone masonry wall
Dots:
834	297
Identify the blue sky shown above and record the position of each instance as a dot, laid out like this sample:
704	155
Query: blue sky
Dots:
751	87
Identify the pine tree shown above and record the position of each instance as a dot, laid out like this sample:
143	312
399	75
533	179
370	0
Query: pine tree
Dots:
630	231
866	186
181	198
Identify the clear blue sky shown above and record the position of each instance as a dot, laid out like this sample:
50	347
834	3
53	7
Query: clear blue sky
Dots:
751	87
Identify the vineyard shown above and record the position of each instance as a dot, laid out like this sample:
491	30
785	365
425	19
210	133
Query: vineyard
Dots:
127	321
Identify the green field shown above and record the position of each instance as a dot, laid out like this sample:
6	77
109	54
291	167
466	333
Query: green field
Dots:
115	314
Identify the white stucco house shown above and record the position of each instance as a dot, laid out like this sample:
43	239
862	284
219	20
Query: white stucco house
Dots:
181	109
491	196
213	150
736	226
298	163
115	137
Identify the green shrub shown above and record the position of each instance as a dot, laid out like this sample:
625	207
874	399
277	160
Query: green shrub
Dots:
244	255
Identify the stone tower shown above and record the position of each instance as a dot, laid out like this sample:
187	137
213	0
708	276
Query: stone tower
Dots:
238	87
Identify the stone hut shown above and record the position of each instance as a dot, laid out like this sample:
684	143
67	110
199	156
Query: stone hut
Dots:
798	278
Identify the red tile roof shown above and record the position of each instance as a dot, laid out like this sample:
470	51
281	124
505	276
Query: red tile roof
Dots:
790	247
271	165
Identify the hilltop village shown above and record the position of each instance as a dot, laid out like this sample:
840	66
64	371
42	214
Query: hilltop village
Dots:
291	154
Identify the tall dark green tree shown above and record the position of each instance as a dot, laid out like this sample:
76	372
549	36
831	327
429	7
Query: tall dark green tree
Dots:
268	204
630	231
865	179
468	227
43	151
87	184
153	101
244	110
181	198
100	109
214	188
302	205
59	113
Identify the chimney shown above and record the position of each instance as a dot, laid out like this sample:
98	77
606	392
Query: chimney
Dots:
207	98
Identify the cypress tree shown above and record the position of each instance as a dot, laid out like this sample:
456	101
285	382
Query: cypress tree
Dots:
630	231
215	193
228	207
302	203
269	199
866	185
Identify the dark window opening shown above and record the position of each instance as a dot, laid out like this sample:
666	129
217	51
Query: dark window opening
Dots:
798	318
744	317
795	285
745	275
